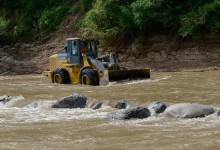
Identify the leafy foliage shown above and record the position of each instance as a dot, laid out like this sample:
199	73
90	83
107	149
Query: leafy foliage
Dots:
73	10
205	17
25	18
115	19
87	4
119	18
51	18
4	37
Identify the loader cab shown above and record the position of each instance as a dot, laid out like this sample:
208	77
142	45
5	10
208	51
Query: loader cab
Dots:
74	48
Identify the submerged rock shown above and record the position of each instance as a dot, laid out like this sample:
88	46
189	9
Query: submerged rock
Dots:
121	105
4	99
45	104
33	105
97	105
218	113
188	110
73	101
158	107
10	100
139	112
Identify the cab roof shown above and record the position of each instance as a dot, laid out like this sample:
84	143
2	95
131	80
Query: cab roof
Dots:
72	39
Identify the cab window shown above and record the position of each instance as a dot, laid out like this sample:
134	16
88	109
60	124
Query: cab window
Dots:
74	48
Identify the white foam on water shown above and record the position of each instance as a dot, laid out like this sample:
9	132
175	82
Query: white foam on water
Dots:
42	104
43	113
2	105
14	100
21	77
130	82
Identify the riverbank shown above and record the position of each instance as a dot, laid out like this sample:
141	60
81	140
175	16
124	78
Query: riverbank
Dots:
159	53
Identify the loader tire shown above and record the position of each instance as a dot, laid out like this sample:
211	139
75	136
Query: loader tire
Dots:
89	77
60	76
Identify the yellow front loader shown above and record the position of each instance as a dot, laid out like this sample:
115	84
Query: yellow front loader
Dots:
81	64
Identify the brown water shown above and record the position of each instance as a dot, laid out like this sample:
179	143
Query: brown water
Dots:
24	127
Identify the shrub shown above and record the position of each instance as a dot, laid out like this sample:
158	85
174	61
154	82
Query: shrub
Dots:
87	4
73	10
120	17
204	17
3	25
51	18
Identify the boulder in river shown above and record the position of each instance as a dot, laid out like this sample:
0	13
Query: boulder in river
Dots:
121	105
139	112
158	107
73	101
188	110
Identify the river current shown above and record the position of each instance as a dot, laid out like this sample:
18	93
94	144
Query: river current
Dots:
30	123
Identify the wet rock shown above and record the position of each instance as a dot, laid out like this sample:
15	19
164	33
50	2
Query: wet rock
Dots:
10	101
121	105
73	101
97	105
4	99
32	105
218	113
158	107
139	112
188	110
118	115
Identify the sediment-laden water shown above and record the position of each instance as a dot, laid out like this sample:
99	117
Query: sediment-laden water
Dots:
37	126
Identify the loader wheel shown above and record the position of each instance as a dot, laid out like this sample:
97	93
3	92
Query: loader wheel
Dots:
60	76
89	77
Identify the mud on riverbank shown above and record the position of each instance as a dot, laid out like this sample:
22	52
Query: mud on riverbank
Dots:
159	53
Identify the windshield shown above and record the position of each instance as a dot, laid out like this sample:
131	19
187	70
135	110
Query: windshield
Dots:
91	48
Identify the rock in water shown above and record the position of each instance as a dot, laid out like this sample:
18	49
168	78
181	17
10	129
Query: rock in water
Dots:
218	113
188	110
97	105
158	107
139	112
4	99
10	101
72	101
121	105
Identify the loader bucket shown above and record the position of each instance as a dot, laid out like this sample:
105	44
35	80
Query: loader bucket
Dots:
116	75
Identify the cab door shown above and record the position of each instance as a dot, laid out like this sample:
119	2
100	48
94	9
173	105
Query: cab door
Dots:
73	52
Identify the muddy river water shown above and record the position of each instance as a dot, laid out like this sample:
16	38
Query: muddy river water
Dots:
42	127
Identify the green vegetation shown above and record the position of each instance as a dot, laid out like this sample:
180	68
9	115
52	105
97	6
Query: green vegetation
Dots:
109	19
87	4
22	19
120	18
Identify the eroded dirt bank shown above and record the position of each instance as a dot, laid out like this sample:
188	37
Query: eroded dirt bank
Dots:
158	53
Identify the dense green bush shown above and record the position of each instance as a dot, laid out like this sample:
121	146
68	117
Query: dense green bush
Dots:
4	36
87	4
73	10
203	18
109	19
119	18
3	25
50	19
26	18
